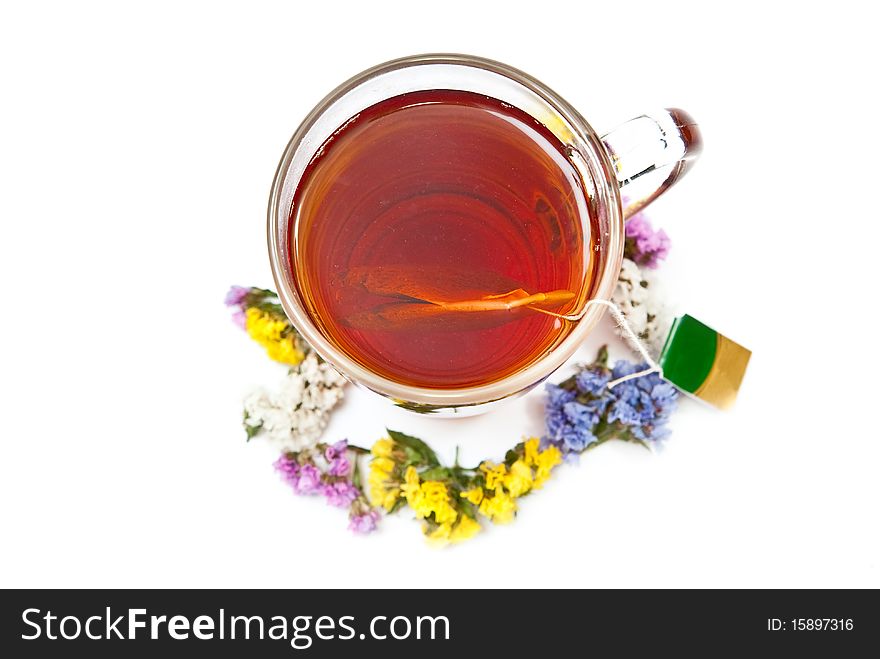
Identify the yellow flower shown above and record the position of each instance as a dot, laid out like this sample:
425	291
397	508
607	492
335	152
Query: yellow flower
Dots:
412	490
285	351
519	480
547	459
386	497
499	508
383	448
494	475
474	495
434	492
382	464
435	499
384	490
274	334
412	486
466	528
530	447
443	512
428	498
438	536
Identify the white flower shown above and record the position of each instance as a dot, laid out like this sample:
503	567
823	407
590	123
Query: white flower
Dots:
294	416
637	296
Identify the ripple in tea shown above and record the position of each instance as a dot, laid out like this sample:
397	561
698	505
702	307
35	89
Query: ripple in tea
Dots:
431	233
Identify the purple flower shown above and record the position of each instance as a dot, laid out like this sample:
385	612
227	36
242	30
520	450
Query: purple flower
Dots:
240	319
340	494
364	523
337	458
333	451
644	245
236	295
288	468
309	480
339	467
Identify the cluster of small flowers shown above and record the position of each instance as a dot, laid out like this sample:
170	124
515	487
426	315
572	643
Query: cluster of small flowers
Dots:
636	295
295	416
643	245
496	487
258	313
582	411
637	292
328	470
449	500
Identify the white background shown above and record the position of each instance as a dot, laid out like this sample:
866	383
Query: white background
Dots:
138	146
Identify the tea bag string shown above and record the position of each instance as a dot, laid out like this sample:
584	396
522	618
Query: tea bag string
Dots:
620	319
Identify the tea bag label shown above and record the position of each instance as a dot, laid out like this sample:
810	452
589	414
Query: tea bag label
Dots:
703	362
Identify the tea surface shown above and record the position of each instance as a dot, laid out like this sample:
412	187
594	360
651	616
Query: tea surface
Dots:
430	231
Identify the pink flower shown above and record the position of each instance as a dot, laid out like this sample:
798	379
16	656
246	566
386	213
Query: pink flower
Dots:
364	523
288	468
236	295
336	455
309	480
340	494
644	245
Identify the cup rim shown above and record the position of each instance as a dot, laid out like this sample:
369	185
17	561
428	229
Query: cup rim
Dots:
590	147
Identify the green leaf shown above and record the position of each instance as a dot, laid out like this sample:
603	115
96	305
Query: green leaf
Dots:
416	445
511	456
400	503
436	474
356	474
412	457
468	508
251	430
462	476
570	384
602	357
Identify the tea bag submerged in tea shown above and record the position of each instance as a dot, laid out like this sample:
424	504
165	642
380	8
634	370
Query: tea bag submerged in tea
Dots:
446	297
430	231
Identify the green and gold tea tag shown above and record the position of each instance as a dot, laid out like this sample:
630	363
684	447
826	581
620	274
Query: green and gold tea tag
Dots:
703	363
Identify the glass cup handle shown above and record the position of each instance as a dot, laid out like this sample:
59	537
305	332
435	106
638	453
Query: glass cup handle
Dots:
650	153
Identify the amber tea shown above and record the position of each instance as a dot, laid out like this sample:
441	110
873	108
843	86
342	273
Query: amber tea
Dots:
434	236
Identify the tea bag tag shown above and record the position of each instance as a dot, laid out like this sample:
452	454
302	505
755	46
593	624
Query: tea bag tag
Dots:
703	363
696	359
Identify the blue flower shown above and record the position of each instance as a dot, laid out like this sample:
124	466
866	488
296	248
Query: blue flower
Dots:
638	408
580	415
664	395
570	422
577	438
624	412
623	368
643	405
556	423
592	381
557	396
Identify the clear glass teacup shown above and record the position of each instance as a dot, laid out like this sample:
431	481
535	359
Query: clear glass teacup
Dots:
645	155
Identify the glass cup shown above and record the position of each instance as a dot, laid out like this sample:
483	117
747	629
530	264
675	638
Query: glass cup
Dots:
645	155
